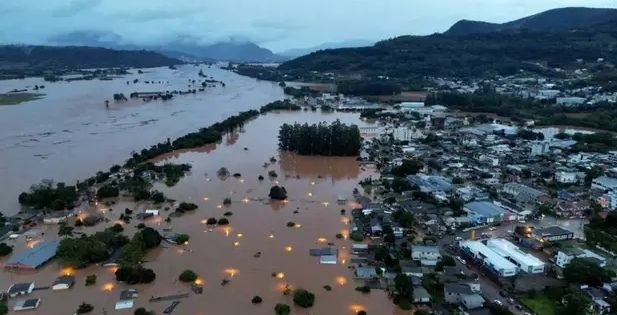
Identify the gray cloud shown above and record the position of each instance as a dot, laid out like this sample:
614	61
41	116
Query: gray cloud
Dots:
276	24
74	7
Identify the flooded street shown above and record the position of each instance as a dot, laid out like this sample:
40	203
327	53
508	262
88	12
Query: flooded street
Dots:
257	225
69	134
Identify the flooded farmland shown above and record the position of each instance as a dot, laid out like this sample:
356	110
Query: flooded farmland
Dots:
69	134
257	225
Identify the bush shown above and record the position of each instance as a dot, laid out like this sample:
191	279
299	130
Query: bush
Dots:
186	206
282	309
291	224
142	311
85	308
182	239
228	214
3	309
361	313
278	193
5	249
256	299
187	276
303	298
364	289
117	228
357	236
327	287
227	201
223	221
211	221
90	280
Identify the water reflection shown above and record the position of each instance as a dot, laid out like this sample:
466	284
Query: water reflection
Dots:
335	169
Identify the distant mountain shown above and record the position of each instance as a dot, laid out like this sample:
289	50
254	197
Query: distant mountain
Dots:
184	47
235	51
471	55
297	52
551	20
35	58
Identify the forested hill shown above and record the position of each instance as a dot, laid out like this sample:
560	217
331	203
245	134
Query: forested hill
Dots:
74	57
551	20
466	55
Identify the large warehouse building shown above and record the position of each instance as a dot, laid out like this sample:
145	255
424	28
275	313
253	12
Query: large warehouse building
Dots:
491	259
525	261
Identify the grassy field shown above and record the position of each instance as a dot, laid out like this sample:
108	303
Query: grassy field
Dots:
540	304
16	98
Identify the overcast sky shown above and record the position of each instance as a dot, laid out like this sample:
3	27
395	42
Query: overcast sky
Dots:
275	24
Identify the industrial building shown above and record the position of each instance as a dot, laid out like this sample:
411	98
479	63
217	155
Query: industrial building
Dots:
483	212
489	258
33	258
525	261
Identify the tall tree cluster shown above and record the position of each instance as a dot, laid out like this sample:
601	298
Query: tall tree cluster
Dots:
335	139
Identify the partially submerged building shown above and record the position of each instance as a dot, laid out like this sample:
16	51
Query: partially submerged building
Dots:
33	258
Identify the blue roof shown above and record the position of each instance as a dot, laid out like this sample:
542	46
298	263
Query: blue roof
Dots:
484	208
36	256
429	183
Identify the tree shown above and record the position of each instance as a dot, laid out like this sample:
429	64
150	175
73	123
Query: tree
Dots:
151	237
303	298
256	299
187	276
135	275
223	221
3	309
5	249
402	284
400	184
356	236
446	260
593	173
575	304
282	309
211	221
585	272
408	167
81	252
107	191
278	193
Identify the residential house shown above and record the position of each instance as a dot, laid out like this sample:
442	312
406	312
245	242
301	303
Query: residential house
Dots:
63	283
427	255
20	289
565	256
25	305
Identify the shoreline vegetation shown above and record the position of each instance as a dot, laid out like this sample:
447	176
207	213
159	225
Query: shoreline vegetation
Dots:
18	98
135	177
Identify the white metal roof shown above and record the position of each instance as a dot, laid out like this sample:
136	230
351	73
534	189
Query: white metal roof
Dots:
493	258
507	249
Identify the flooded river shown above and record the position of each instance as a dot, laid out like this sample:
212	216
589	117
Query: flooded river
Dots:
257	225
69	134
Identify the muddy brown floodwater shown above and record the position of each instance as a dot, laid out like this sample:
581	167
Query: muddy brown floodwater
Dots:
69	134
257	225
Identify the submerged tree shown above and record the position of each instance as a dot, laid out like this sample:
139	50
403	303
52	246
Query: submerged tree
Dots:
336	139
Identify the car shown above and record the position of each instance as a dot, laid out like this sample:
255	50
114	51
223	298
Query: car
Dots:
492	228
458	238
522	221
461	260
498	302
511	300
